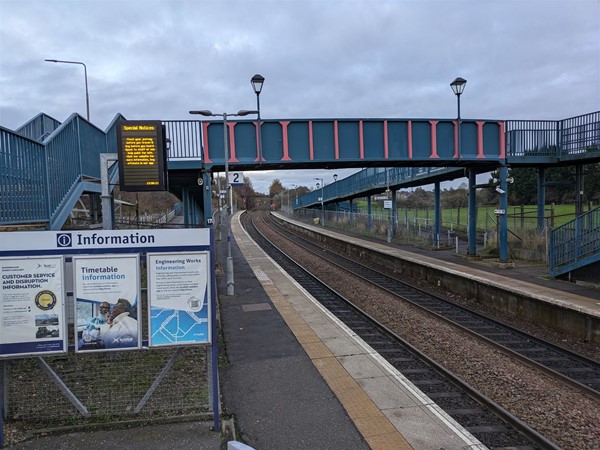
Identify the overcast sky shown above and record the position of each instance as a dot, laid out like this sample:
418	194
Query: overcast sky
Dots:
158	59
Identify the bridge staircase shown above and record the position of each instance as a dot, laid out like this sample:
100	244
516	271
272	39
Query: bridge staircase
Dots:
576	244
46	166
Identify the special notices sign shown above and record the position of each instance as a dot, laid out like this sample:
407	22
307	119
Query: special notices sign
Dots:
32	318
142	155
178	298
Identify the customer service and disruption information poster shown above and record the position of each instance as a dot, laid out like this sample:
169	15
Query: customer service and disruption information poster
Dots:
32	310
178	298
107	302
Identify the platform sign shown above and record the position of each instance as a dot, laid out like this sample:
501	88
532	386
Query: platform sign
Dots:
142	155
107	281
32	307
236	179
179	298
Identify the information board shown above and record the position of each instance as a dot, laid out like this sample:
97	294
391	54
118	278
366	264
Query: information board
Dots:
178	298
110	281
32	317
142	155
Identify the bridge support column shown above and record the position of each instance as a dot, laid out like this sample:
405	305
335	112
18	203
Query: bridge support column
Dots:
436	214
541	199
579	187
207	199
502	218
192	211
369	211
472	227
350	216
394	212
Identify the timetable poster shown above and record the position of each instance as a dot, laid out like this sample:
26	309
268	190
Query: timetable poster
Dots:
32	310
107	302
178	298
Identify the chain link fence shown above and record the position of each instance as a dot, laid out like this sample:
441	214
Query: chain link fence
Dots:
106	387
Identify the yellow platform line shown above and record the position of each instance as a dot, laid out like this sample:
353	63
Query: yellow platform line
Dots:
375	427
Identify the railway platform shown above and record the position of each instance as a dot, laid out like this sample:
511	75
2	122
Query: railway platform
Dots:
297	378
523	290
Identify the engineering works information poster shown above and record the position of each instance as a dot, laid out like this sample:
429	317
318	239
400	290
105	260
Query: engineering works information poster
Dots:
178	298
32	309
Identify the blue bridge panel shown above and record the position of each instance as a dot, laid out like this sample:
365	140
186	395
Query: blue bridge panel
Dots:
299	147
374	140
349	140
397	139
323	143
303	143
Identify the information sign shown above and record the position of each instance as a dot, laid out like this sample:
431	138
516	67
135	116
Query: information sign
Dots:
179	298
142	155
236	179
32	317
107	306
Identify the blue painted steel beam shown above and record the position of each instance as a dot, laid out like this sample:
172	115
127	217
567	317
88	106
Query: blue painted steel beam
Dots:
369	212
541	199
472	207
353	142
394	211
502	218
437	214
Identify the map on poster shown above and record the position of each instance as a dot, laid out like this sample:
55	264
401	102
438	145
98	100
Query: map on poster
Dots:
178	298
106	291
32	319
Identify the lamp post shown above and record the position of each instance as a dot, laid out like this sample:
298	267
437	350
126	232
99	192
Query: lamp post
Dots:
87	96
322	201
337	202
257	82
207	113
458	86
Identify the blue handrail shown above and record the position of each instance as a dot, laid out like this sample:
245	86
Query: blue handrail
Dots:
38	179
574	242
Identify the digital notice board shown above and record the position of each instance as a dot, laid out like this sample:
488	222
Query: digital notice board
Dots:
142	155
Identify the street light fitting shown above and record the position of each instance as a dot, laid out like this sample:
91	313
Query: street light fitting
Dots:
209	113
204	112
335	177
458	85
87	95
244	112
257	82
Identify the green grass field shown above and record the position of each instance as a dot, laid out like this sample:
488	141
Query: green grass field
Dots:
518	216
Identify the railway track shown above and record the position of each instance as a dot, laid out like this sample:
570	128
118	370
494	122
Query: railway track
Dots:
573	369
491	424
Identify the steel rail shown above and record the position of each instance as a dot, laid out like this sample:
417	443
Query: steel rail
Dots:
521	427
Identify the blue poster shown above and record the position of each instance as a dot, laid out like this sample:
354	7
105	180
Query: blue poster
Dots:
179	298
107	306
32	317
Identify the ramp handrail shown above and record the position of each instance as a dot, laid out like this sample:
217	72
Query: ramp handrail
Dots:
574	241
36	178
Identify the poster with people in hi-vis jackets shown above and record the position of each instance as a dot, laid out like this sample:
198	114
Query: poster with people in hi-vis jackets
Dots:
32	307
107	302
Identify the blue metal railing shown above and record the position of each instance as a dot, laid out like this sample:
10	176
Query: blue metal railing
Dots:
39	128
23	181
38	179
372	179
575	242
560	139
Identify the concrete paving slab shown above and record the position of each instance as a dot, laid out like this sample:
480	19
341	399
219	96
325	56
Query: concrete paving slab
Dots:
361	366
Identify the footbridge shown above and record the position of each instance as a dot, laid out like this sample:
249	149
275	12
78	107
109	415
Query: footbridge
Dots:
45	166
